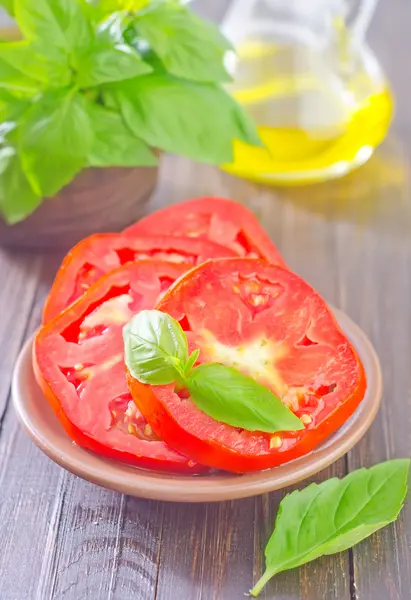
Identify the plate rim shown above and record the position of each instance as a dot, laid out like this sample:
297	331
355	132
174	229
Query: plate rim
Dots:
157	486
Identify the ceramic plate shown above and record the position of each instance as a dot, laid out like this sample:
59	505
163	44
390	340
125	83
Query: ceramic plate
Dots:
43	427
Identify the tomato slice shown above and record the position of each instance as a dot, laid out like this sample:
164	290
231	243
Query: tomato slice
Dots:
219	220
98	254
268	323
79	364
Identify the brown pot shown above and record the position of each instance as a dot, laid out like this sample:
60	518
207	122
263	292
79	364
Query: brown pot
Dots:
98	200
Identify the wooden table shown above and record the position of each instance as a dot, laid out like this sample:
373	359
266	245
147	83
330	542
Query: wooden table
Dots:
63	538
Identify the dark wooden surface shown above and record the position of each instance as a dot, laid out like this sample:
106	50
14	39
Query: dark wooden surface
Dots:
62	538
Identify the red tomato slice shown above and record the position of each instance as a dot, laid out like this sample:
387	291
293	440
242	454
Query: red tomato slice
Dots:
219	220
79	364
98	254
268	323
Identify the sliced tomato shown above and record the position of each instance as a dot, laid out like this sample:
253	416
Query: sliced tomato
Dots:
98	254
268	323
219	220
79	364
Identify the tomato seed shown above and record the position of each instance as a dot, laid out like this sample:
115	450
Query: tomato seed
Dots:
306	419
275	442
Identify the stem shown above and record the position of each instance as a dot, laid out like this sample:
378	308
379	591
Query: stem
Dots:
181	379
262	582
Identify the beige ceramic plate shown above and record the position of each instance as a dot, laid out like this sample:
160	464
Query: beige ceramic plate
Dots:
43	427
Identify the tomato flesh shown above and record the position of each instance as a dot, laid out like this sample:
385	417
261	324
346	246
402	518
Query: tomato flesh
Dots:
219	220
79	364
98	254
268	323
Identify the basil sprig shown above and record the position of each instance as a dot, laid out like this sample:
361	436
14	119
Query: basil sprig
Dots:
334	516
156	353
100	83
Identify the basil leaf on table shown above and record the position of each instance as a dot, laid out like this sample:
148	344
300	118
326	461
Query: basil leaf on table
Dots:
188	46
156	348
334	516
54	140
228	396
17	199
184	117
113	143
60	24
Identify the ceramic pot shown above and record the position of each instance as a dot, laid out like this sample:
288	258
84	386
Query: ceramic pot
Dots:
98	200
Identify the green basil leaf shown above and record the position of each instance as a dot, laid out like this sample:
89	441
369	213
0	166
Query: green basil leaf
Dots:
191	362
228	396
105	62
55	139
57	24
156	348
17	199
13	79
334	516
30	59
114	144
198	120
8	5
11	106
188	46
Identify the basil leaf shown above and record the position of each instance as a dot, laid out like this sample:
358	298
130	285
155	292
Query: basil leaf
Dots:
8	5
198	120
11	107
334	516
156	348
13	79
228	396
114	144
55	139
105	62
30	59
188	46
191	362
17	199
57	24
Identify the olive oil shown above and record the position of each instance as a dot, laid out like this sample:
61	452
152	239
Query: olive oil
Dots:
315	124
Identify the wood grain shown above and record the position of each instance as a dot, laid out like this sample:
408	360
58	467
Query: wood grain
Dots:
62	538
207	551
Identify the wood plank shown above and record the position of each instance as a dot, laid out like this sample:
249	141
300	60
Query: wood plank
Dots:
63	538
105	546
377	294
69	538
31	485
207	551
19	279
310	250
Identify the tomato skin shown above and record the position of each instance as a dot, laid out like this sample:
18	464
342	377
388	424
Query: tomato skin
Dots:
98	254
60	392
212	449
220	220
